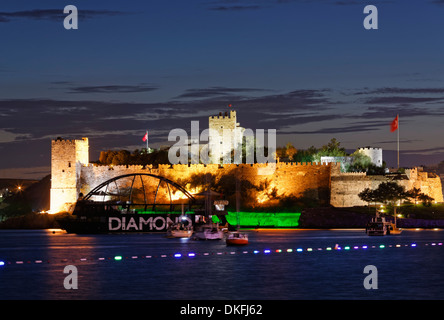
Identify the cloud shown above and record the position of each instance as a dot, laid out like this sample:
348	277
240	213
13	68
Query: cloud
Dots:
54	14
357	2
357	127
113	89
401	100
396	90
216	91
246	5
118	124
235	8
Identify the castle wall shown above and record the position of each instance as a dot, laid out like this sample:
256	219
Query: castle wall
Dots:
345	187
302	179
72	175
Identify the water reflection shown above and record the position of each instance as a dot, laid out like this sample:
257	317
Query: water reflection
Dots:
220	272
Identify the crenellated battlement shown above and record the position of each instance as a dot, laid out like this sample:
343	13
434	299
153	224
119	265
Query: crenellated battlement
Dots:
72	174
60	141
370	149
226	116
351	174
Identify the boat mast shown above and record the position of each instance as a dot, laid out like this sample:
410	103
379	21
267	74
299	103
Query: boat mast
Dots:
237	201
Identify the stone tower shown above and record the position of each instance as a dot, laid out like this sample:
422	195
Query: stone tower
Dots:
67	158
374	153
225	133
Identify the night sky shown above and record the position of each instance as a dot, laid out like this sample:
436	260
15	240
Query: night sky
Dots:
307	68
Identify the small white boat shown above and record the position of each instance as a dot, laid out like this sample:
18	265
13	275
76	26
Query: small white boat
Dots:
179	231
209	232
236	239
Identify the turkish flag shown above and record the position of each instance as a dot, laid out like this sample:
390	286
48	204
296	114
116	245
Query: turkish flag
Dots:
145	137
394	125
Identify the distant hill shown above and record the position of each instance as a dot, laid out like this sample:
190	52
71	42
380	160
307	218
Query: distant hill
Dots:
12	184
37	194
33	198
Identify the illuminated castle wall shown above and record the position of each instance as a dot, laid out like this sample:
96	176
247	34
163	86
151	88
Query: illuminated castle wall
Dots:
345	187
72	174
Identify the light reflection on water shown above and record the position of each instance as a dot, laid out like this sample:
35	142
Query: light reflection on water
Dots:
403	273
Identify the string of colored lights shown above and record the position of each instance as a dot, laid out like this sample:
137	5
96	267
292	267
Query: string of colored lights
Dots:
336	248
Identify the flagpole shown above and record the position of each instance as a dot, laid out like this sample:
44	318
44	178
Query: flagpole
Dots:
148	151
398	139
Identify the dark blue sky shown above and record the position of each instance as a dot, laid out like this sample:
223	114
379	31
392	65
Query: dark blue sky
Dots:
307	68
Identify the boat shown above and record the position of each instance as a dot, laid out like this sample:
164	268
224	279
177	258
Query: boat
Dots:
179	230
377	226
236	239
393	230
209	232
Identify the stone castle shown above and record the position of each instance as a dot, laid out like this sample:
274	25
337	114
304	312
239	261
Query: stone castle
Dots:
228	134
72	174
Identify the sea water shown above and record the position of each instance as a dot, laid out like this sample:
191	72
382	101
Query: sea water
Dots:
276	264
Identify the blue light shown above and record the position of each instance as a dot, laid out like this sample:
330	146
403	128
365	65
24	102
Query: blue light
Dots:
364	247
266	251
2	263
256	251
299	249
413	244
177	255
191	254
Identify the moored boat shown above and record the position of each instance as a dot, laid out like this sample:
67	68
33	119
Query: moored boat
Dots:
209	232
236	239
178	230
377	227
393	230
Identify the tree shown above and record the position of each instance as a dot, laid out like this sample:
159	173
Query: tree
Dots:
425	199
390	192
361	162
387	192
368	195
331	149
290	151
414	194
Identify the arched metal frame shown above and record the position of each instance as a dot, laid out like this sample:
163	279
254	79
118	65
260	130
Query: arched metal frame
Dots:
95	191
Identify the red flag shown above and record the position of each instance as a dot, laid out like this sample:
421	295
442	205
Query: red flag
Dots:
145	137
394	125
